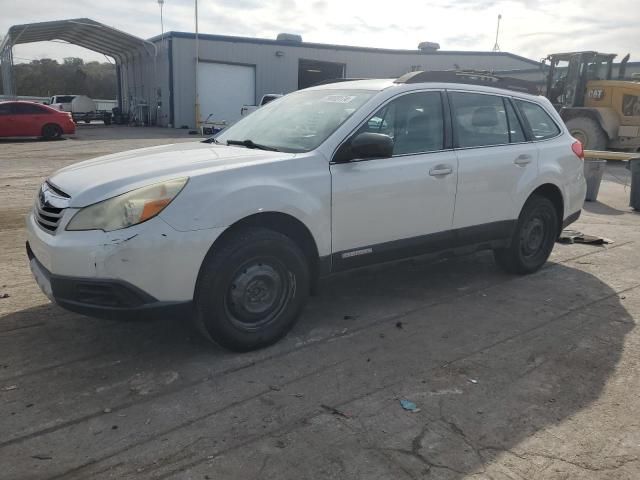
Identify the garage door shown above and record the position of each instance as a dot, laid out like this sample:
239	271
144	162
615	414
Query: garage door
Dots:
223	89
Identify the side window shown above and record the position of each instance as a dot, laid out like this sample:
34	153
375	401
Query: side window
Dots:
5	109
479	120
541	123
516	134
28	109
414	121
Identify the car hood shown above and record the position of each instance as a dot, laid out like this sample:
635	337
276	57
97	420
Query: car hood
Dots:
94	180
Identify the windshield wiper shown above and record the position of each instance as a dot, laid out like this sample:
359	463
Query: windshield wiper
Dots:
211	140
252	144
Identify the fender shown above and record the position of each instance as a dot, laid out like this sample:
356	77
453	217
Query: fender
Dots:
218	201
606	117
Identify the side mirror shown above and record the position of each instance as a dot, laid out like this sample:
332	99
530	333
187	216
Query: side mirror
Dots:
366	145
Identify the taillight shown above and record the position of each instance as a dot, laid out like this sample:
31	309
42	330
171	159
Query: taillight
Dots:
577	149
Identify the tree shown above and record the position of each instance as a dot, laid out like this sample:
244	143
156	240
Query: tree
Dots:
46	77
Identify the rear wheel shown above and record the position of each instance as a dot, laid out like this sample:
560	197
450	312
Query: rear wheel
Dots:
589	132
533	239
251	289
51	131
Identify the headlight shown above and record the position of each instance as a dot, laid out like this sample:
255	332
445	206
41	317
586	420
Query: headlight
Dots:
127	209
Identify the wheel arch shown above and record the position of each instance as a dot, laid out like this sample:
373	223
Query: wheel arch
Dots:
285	224
554	194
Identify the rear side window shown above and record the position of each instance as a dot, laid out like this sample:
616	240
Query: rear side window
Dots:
542	126
5	109
480	120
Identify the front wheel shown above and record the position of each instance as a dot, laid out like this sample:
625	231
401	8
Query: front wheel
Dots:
51	131
251	289
533	239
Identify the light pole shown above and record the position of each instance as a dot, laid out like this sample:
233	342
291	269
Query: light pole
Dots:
496	47
197	103
161	3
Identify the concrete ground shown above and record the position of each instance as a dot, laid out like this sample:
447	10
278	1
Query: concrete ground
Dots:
530	377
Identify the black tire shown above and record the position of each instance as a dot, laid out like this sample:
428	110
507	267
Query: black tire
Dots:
589	132
533	239
251	289
51	131
107	120
87	121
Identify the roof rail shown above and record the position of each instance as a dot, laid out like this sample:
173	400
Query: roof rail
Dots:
472	77
336	80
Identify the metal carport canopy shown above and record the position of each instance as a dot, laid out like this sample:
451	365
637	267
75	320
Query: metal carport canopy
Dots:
83	32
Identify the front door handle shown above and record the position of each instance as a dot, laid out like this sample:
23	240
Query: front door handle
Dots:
523	159
439	170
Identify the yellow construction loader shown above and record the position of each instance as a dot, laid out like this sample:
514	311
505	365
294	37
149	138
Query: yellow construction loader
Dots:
602	112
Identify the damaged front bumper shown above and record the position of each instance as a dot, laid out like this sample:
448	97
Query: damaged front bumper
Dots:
114	299
147	267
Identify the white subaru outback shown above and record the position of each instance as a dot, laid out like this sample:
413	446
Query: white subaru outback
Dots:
236	230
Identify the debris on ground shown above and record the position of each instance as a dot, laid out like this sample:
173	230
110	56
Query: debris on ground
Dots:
399	325
473	380
349	317
9	388
4	295
297	395
42	457
334	411
107	410
409	406
573	236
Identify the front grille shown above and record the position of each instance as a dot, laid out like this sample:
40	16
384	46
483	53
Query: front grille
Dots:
48	217
50	207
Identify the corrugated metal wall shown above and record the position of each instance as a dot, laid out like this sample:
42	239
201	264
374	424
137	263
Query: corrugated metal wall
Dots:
279	74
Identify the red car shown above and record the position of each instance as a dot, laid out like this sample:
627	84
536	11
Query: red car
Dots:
28	119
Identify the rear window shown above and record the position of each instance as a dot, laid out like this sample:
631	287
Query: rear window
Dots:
541	123
64	98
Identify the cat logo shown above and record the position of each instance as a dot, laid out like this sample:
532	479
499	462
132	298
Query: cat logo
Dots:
596	93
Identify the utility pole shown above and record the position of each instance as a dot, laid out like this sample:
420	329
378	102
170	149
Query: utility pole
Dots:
197	104
161	3
496	47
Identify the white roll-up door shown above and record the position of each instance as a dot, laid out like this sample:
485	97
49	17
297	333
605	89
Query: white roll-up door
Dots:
223	89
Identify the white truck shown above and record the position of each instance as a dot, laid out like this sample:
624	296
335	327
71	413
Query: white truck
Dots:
81	107
269	97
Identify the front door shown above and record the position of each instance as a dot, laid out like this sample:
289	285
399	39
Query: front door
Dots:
387	208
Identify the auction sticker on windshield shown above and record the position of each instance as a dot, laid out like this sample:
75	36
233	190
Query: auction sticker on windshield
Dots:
338	98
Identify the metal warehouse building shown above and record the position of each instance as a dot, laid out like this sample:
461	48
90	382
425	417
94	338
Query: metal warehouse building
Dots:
158	78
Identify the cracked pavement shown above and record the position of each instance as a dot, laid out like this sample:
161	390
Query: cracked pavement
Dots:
530	377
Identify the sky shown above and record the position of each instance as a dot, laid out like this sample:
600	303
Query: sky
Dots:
531	28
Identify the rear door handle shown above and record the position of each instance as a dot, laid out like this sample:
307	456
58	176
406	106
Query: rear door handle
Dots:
523	159
439	170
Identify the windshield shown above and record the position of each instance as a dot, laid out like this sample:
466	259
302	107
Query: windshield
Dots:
298	122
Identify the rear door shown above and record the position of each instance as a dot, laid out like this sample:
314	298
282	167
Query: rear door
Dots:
496	165
386	208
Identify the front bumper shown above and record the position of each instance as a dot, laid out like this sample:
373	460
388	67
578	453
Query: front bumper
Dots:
153	262
103	298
